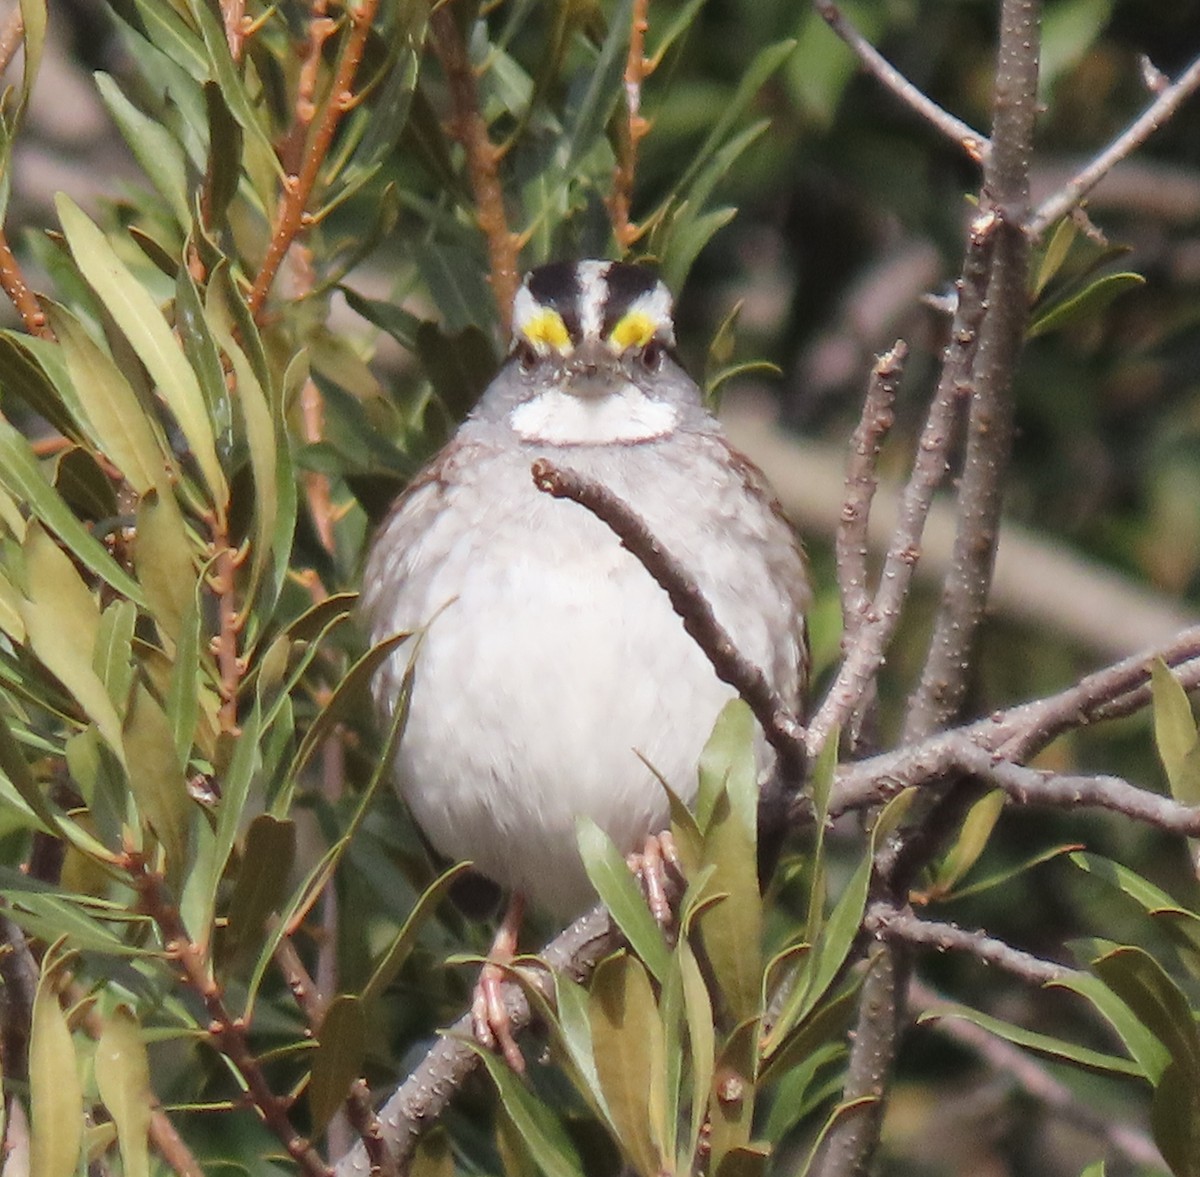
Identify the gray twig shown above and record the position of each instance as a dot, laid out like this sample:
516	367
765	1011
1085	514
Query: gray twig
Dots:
889	922
1161	110
959	132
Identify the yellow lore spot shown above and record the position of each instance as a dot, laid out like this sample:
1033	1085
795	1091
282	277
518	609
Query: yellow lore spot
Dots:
636	329
546	331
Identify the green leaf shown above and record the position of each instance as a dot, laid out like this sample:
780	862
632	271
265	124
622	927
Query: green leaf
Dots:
62	621
119	424
1055	254
1087	304
263	877
731	1106
1043	1044
1175	734
971	842
618	890
726	810
123	1079
587	121
139	318
55	1093
156	777
628	1044
702	1039
1158	1003
1175	1120
23	375
341	1049
1146	1050
393	957
113	657
21	477
539	1128
158	154
165	561
235	790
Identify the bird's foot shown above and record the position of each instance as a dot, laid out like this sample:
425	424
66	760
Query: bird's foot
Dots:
490	1019
661	874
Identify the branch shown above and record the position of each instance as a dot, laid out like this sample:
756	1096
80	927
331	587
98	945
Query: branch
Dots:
227	1033
875	422
298	185
636	70
12	280
1004	202
1160	111
483	158
425	1094
899	923
780	726
960	133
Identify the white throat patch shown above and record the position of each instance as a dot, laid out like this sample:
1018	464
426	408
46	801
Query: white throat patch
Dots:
627	415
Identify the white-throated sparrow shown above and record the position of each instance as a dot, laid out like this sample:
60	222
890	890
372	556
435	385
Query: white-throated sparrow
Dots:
552	662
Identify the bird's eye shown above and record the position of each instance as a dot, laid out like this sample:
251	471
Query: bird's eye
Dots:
652	356
527	357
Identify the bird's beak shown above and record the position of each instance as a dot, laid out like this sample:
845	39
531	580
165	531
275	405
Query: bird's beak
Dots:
589	370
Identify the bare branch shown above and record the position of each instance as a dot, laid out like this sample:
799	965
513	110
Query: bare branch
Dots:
424	1095
899	923
1159	112
965	136
878	414
1004	201
865	654
780	726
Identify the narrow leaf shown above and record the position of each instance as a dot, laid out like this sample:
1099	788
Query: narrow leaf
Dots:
341	1049
55	1093
123	1079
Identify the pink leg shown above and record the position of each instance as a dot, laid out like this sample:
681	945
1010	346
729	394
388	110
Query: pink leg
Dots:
659	870
489	1016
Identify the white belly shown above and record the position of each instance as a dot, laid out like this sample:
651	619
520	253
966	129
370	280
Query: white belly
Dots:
552	663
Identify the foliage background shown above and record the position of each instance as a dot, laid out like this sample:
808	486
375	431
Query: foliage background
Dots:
366	349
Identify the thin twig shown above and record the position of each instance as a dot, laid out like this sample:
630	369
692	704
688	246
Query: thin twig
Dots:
636	70
1159	112
469	127
863	658
233	16
227	1033
897	923
959	132
1031	1078
12	280
300	183
874	425
868	783
780	726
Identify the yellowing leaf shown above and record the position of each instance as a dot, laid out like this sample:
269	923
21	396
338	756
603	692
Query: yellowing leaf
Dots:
62	620
55	1094
136	313
123	1079
163	560
155	774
